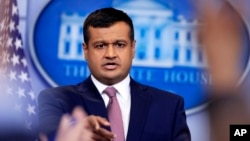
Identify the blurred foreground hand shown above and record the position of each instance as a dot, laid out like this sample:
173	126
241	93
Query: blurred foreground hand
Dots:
81	127
221	39
221	35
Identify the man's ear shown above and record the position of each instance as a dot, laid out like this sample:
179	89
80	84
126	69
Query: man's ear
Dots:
133	48
85	50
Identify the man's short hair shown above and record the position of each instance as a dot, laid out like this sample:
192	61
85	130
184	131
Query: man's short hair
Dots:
106	17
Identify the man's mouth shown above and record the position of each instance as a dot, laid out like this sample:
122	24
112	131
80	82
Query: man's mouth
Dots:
110	66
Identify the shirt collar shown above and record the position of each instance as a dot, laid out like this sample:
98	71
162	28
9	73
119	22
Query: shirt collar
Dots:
122	87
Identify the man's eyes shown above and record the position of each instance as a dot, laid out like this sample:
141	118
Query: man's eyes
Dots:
100	46
120	45
117	45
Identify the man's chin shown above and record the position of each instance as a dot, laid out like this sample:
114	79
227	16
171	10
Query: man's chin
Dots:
112	79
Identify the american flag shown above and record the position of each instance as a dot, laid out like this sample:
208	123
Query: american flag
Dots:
18	108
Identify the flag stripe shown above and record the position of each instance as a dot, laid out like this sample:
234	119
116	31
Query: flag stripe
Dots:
17	95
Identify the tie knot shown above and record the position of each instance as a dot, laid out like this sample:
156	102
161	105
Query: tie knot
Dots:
110	91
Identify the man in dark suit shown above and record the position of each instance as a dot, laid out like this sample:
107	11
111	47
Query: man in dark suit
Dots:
146	113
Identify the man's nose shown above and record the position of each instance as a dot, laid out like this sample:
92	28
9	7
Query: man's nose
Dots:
110	52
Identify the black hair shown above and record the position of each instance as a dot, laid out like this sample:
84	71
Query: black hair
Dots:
106	17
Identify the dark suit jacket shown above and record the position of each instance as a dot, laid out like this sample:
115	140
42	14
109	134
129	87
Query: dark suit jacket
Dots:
155	115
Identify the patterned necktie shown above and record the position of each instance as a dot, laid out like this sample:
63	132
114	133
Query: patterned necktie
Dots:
114	113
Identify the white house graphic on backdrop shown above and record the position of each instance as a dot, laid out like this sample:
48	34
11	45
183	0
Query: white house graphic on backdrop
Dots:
160	40
70	38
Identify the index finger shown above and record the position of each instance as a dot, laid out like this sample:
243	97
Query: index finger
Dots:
97	121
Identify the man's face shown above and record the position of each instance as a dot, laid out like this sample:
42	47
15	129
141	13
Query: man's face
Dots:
109	52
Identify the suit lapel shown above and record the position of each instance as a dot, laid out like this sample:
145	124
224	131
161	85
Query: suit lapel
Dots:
139	109
93	102
140	101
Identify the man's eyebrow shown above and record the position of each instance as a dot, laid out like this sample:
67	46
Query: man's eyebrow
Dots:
106	42
98	42
120	40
